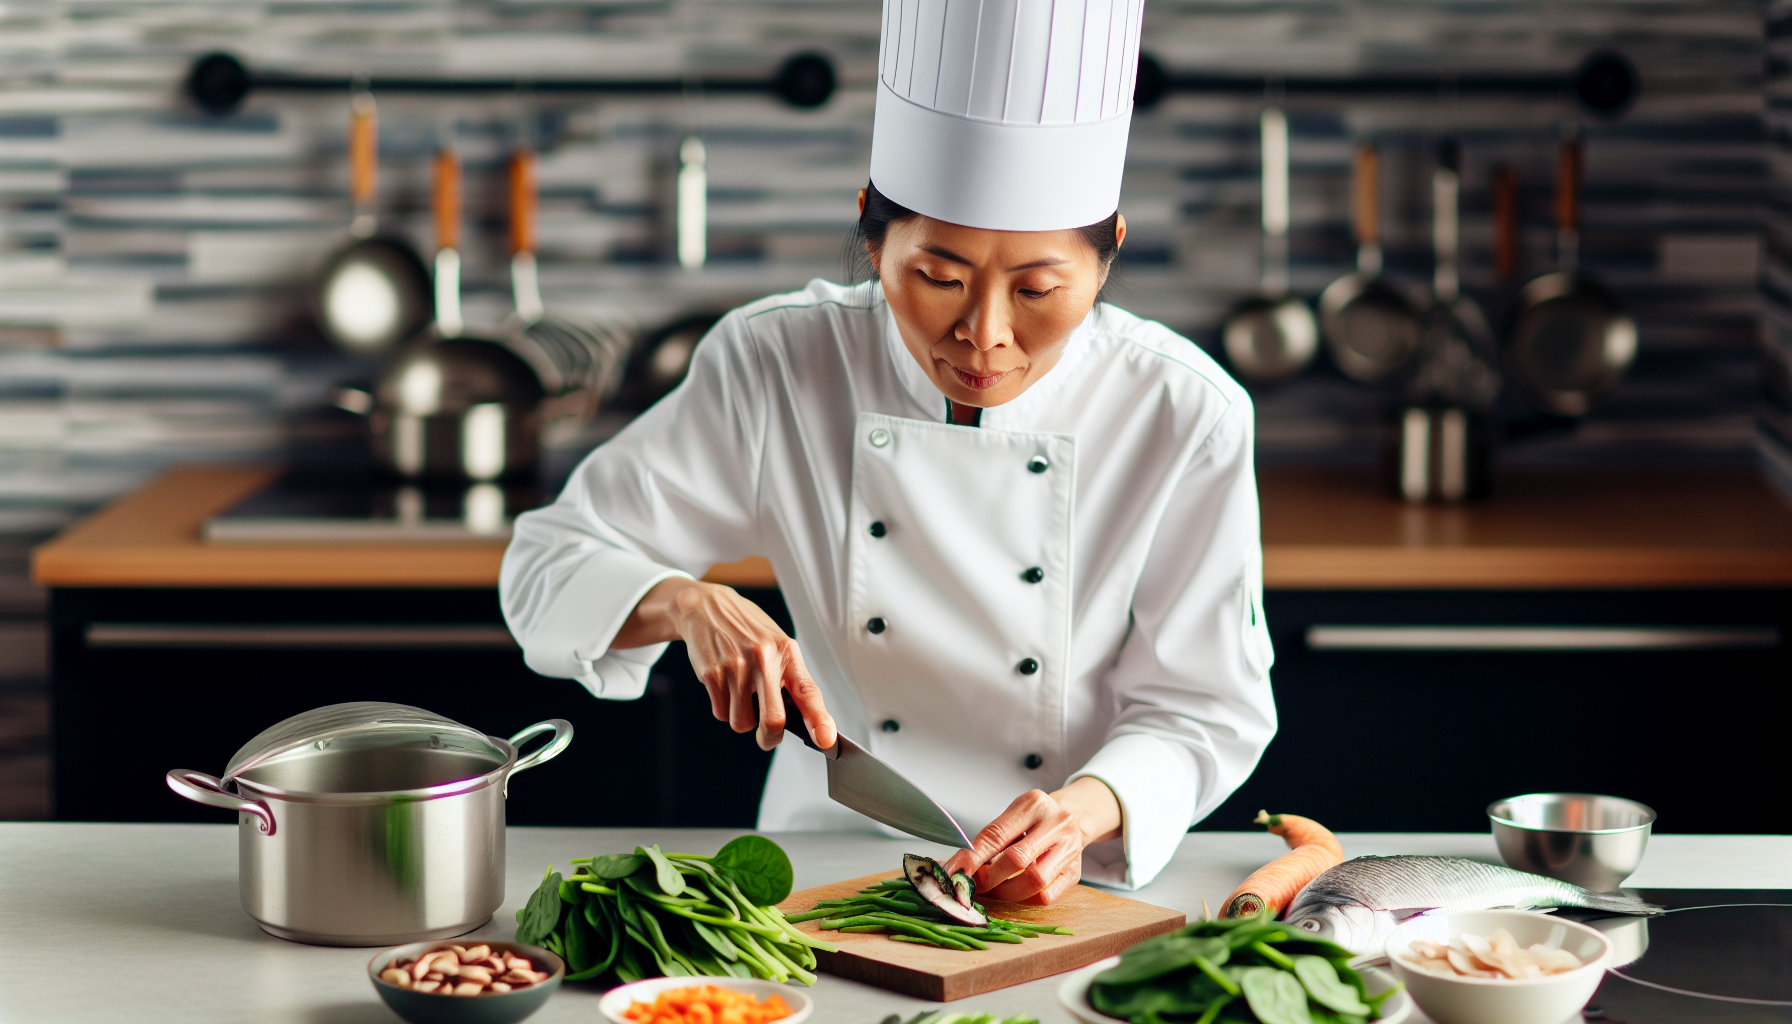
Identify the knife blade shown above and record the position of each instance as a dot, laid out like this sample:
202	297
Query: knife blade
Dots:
863	782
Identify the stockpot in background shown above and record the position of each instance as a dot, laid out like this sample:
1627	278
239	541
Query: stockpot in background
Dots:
370	824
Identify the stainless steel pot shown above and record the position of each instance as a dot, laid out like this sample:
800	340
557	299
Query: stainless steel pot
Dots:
370	824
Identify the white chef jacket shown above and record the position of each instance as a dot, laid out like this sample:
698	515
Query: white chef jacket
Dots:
1072	588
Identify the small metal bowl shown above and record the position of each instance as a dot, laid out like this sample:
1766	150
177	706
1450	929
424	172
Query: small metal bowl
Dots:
491	1008
1592	841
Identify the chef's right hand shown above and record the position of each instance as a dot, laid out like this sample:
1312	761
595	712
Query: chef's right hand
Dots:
739	653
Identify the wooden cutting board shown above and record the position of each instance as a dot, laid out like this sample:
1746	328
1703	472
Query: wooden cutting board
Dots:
1104	925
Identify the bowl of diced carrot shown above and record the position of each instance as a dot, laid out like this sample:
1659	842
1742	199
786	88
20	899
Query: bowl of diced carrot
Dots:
705	1001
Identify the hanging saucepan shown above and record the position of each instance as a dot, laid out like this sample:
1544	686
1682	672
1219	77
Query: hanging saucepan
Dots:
661	359
579	359
1370	324
373	292
1272	335
370	824
450	408
1571	339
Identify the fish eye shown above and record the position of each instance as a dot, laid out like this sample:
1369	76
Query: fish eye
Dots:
1310	924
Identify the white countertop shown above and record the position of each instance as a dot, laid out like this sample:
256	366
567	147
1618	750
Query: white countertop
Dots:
141	923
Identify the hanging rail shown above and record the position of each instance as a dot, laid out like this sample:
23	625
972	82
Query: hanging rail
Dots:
1604	84
218	83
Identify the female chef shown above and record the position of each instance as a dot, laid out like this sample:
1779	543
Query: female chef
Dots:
1016	530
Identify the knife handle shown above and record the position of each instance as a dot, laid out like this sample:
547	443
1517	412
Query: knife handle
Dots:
793	723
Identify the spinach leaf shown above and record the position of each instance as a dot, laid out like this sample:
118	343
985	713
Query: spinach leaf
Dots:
1321	981
612	866
1144	962
1132	1002
758	867
581	943
541	915
670	881
1276	997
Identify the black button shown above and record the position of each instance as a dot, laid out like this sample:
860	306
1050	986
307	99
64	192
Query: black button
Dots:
1027	666
891	725
1038	464
1033	761
1033	575
875	625
877	529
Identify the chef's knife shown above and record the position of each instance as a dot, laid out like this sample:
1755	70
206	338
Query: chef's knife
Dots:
876	790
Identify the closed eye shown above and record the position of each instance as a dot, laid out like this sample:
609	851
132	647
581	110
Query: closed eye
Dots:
1035	293
937	282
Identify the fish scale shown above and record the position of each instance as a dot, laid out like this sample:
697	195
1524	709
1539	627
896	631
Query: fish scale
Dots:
1358	902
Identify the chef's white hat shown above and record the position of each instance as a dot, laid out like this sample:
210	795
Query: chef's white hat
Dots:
1005	114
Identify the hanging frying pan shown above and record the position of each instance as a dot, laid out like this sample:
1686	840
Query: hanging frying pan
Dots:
450	408
1571	339
1272	335
1368	322
578	359
661	359
373	292
1443	445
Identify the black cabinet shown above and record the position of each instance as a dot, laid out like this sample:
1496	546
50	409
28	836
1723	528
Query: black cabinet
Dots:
1376	737
1371	739
146	680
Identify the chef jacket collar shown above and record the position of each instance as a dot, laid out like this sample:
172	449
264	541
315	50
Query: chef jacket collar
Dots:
1016	415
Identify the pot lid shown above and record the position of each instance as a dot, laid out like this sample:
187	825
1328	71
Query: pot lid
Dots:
358	725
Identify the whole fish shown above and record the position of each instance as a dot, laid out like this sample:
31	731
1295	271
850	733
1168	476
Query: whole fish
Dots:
1357	903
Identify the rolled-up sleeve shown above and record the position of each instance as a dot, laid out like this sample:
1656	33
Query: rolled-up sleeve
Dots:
673	494
1192	678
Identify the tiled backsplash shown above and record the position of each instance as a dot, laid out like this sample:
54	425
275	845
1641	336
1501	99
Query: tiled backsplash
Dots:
153	259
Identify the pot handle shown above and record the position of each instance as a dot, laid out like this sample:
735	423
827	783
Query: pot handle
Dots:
204	789
562	730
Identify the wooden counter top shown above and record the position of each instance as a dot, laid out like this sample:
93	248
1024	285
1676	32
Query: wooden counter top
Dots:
1322	529
1330	529
150	538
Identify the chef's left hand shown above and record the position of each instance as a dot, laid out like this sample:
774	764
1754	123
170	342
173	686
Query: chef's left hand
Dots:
1033	852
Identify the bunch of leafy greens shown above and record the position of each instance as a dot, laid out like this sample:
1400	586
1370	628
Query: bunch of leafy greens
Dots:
894	908
646	914
1244	970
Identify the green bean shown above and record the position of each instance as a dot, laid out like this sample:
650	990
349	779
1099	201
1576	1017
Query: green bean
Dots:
923	942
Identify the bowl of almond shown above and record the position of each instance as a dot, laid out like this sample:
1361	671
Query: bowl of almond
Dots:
465	982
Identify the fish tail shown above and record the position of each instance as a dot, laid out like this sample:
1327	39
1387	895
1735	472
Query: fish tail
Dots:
1617	903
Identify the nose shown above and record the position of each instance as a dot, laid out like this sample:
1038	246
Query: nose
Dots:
988	323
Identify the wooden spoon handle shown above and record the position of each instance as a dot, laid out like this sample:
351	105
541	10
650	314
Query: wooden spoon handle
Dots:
1366	207
363	151
445	199
1568	175
524	201
1505	222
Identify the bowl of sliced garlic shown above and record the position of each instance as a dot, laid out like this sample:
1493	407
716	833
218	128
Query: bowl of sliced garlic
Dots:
1498	966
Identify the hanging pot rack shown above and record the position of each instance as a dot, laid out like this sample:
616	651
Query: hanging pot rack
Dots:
219	83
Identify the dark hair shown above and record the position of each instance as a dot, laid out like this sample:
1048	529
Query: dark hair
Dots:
881	211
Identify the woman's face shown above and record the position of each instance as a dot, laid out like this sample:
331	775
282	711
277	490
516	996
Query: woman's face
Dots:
986	313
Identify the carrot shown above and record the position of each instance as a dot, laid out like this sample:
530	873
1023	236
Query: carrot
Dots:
1313	850
707	1004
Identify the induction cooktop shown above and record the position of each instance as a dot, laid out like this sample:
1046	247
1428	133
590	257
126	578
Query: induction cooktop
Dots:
318	507
1722	956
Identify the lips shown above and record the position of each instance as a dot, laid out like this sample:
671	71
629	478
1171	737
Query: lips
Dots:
976	383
